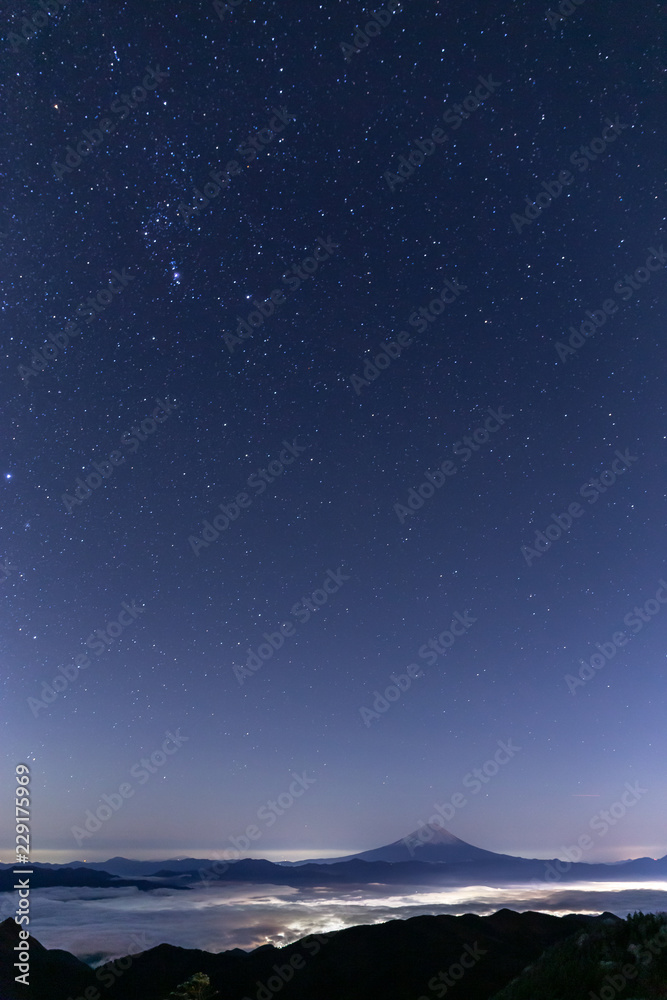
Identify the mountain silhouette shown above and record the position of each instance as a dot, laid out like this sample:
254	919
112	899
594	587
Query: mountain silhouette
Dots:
443	859
394	960
434	845
43	878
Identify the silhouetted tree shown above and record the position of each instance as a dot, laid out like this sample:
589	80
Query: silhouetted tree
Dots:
197	987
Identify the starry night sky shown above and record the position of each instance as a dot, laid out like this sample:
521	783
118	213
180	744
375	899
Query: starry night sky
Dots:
181	282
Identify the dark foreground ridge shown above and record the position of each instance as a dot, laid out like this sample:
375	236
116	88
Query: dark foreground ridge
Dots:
506	956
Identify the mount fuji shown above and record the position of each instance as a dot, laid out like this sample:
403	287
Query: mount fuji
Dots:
428	844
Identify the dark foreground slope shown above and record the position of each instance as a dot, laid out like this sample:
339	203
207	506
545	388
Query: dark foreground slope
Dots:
398	960
617	961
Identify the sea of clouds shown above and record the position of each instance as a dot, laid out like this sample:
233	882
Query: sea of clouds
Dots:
97	925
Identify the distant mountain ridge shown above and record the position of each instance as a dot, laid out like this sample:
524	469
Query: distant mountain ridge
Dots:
126	866
43	878
442	860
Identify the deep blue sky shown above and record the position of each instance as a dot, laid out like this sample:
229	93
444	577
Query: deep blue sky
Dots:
321	180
